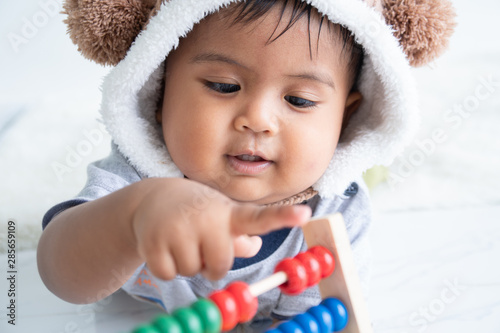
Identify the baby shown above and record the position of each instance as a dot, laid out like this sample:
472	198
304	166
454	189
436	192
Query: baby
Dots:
262	114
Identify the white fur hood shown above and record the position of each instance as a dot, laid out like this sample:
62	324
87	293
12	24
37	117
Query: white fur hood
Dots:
383	125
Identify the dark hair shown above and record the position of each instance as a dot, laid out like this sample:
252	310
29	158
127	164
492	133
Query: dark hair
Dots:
251	10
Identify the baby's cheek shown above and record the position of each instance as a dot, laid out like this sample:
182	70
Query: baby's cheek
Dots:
194	152
304	169
314	170
318	160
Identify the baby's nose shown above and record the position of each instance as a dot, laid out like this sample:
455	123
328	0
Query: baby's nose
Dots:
258	117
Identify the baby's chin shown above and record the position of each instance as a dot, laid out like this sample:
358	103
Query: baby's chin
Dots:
247	191
253	197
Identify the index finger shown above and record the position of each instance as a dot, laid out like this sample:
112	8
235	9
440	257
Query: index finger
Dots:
247	219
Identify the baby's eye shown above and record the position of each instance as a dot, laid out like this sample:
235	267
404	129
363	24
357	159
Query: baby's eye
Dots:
299	102
224	88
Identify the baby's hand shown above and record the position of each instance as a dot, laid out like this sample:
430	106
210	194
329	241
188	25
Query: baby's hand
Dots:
183	227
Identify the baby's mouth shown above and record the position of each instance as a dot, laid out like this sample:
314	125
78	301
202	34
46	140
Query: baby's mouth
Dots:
248	164
250	158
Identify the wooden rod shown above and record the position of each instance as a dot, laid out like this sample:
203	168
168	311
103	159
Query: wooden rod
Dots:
264	285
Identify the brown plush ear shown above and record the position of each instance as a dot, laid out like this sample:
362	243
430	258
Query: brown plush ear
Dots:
105	29
423	27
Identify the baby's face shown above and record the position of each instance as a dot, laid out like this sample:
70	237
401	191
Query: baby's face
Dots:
258	121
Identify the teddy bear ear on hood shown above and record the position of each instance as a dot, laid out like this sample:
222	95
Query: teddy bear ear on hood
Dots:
104	30
423	27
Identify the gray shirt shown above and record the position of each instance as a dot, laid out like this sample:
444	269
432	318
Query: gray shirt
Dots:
114	172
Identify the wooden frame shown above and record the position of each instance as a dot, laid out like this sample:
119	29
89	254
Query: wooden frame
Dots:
330	232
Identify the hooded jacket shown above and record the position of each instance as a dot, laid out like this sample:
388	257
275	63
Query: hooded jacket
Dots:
384	124
136	36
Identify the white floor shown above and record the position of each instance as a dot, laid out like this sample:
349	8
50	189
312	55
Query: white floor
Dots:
440	275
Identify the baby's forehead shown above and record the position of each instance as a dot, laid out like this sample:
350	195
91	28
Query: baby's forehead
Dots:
284	14
279	20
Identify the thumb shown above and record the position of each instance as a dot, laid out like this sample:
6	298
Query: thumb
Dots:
246	246
247	219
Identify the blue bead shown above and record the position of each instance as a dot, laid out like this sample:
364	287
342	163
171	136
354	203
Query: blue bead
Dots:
339	312
274	330
307	322
290	327
323	317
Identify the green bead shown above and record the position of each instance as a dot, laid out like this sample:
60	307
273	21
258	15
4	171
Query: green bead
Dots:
167	324
209	314
189	320
145	329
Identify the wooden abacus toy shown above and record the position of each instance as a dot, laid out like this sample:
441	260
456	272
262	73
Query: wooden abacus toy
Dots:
342	309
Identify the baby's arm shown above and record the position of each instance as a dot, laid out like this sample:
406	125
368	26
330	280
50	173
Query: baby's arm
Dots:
89	251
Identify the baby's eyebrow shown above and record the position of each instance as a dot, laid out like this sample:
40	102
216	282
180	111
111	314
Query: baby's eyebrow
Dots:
322	78
216	57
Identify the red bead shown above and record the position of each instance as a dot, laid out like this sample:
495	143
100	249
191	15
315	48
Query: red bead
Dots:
247	303
227	307
311	264
296	276
325	259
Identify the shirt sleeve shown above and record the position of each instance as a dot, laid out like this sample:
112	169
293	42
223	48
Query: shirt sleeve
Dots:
103	177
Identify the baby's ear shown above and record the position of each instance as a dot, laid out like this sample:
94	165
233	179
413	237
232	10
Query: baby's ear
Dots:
423	27
351	105
104	30
159	109
159	116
